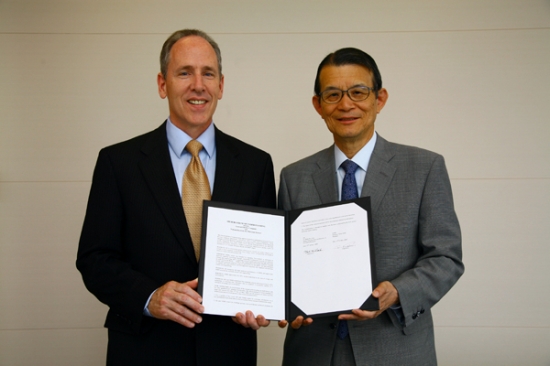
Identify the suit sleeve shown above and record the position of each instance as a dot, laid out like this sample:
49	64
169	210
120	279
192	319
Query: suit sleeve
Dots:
283	196
100	257
439	265
268	194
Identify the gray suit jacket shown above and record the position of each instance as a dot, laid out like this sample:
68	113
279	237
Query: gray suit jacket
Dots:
417	247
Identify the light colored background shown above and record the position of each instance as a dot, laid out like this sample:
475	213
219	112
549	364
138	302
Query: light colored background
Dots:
469	79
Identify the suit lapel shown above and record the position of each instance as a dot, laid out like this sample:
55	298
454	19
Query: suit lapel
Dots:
325	179
228	171
379	173
159	174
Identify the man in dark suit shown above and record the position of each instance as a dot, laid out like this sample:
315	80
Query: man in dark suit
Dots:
136	251
417	240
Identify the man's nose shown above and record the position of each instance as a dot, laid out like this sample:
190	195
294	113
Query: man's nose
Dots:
345	102
198	84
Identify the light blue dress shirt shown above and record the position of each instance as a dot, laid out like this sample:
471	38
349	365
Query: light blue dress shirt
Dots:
177	140
362	158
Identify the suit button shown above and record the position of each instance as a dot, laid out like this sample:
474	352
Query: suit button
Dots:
332	326
422	311
414	316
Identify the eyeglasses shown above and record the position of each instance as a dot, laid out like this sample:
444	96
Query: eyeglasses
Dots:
356	94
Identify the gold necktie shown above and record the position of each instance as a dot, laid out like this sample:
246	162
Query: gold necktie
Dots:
195	189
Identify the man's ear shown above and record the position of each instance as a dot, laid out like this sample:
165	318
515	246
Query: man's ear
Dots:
222	79
316	101
381	99
161	83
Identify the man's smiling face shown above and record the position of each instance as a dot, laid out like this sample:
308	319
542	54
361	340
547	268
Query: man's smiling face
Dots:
351	123
193	85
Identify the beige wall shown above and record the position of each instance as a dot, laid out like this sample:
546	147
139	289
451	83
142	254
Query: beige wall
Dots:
469	79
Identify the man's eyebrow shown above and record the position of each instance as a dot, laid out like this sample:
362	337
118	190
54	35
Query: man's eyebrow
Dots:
331	87
210	68
183	67
202	69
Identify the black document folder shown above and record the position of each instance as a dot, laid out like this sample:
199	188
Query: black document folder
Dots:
316	261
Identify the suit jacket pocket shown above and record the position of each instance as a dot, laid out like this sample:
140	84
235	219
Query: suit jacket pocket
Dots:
120	323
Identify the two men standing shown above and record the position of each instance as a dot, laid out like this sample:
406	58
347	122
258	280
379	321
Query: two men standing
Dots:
136	251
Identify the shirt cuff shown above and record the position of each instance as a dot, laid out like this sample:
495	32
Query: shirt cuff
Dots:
398	313
146	308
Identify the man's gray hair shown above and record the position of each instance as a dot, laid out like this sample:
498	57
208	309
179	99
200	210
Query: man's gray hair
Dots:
176	36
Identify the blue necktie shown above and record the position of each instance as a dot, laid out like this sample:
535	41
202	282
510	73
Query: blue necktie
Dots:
349	185
349	191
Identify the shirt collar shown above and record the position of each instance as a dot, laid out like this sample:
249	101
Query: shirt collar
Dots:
362	158
177	139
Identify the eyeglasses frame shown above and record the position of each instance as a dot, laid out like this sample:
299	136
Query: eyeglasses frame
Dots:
370	90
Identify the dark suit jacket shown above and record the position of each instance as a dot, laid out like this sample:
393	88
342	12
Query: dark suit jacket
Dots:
135	238
417	247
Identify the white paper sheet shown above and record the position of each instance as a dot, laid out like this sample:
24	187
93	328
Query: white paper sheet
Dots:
330	259
245	264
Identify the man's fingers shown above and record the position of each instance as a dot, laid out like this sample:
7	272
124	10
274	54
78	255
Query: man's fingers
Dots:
178	302
249	321
387	295
358	314
187	312
297	323
246	320
300	321
262	321
185	294
188	289
180	312
190	303
185	317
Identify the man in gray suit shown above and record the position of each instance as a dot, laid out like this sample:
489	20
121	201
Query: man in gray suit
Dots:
416	233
